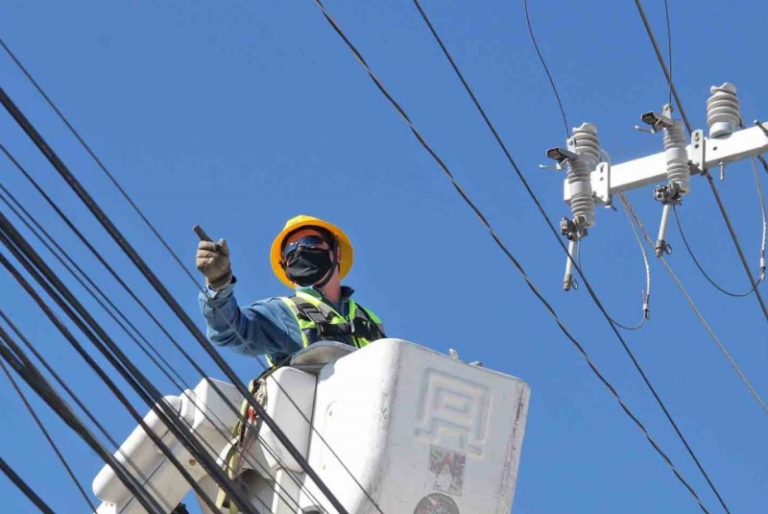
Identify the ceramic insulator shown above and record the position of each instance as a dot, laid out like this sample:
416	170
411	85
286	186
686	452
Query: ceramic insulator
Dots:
676	155
723	113
586	145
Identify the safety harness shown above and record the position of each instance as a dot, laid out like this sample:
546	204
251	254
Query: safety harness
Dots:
314	314
317	322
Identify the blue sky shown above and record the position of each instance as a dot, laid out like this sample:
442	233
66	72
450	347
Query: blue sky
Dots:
239	115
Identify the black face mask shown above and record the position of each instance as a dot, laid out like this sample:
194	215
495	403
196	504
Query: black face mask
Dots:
307	266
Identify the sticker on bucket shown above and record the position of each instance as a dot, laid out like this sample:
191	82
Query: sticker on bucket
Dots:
446	470
437	503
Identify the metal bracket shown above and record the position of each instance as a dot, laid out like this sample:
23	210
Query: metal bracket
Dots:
601	184
697	152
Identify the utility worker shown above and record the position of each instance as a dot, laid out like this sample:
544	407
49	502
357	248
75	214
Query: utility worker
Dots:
310	255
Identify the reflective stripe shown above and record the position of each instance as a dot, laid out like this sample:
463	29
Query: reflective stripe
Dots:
325	311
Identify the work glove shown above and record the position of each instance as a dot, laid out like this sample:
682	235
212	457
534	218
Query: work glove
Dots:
213	262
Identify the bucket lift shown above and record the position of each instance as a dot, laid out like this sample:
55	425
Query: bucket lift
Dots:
418	431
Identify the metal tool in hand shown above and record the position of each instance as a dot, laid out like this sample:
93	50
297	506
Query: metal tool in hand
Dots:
203	235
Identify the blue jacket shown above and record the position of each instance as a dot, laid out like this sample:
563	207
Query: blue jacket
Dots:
265	327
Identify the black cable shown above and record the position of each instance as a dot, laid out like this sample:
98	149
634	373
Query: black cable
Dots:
504	248
165	368
544	65
93	331
554	232
16	358
149	312
63	384
706	174
702	270
170	250
628	328
119	279
24	487
669	47
48	437
160	288
565	123
122	282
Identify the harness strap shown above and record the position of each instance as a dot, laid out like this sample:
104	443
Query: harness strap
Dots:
322	316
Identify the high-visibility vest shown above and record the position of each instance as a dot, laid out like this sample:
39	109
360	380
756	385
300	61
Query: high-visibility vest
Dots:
318	321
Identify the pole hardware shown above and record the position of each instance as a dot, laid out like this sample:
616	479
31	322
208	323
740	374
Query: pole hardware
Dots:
669	196
581	157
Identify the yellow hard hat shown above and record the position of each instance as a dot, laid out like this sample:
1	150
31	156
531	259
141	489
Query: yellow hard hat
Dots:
303	221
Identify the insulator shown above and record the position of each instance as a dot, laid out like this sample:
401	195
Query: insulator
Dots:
676	155
585	144
723	113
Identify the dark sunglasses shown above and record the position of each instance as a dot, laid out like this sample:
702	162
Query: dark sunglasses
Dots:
311	241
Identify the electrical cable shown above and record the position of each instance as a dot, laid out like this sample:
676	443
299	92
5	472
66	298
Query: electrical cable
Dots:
706	174
165	294
122	283
703	271
165	244
553	230
646	295
62	383
546	68
504	248
135	297
93	331
68	263
48	437
16	358
24	487
669	47
698	313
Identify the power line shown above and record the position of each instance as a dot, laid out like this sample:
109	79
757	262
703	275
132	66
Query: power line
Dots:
546	68
706	174
114	274
669	46
591	291
646	295
48	437
16	358
61	295
696	311
165	368
160	288
704	273
502	246
139	263
143	306
24	487
93	419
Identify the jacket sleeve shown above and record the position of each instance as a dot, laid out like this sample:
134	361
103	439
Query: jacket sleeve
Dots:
264	327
